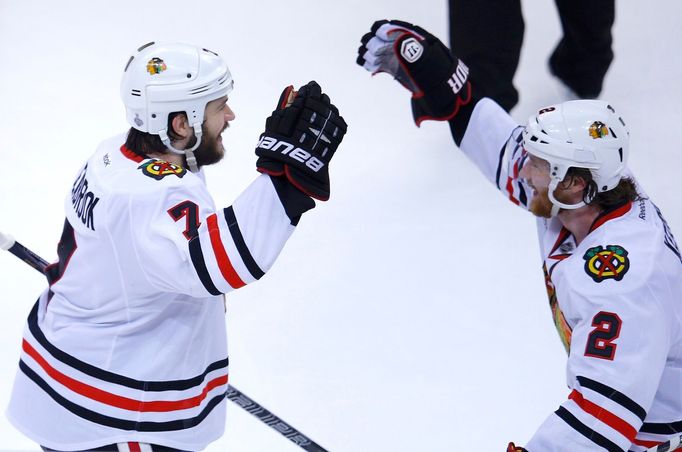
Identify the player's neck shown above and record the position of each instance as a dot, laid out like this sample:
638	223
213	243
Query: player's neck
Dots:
579	221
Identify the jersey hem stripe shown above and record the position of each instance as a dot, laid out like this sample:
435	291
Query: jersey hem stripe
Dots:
101	374
117	401
121	424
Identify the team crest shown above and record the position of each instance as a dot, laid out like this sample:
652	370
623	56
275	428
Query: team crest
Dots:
158	169
598	130
156	66
609	263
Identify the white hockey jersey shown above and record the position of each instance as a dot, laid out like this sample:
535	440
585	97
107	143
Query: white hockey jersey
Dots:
129	341
616	299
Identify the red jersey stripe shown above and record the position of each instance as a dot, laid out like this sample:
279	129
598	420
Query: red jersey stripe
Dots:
224	264
134	447
605	416
647	444
510	190
117	401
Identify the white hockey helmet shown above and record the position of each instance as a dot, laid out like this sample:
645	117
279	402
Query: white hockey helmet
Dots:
580	134
162	78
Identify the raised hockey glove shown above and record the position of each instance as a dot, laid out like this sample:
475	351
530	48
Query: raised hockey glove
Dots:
513	448
300	138
439	82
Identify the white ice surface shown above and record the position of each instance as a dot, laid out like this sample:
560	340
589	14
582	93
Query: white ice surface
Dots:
406	314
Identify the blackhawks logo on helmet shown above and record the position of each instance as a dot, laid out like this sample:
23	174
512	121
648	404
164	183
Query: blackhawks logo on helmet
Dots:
158	169
598	130
609	263
156	66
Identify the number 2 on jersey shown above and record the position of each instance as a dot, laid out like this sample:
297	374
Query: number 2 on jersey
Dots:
600	341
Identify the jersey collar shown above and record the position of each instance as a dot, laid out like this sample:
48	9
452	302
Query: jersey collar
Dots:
127	153
610	214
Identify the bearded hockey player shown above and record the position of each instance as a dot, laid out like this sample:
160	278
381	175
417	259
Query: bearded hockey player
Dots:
127	349
612	267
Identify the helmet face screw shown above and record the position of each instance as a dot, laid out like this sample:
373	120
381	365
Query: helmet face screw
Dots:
153	115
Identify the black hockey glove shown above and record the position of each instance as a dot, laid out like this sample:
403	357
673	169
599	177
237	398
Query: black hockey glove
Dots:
439	82
300	138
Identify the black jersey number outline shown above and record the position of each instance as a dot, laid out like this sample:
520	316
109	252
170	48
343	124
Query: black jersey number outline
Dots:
600	341
190	211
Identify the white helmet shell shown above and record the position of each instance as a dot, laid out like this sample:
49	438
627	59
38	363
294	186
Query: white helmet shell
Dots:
580	134
164	78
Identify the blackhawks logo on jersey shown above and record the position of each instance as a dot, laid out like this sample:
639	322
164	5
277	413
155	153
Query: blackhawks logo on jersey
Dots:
158	169
609	263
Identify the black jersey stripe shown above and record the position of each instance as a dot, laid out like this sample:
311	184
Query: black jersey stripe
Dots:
199	263
587	432
110	377
499	166
523	198
610	393
238	239
662	428
122	424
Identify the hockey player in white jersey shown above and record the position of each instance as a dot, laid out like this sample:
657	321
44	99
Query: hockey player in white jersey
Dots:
126	349
612	267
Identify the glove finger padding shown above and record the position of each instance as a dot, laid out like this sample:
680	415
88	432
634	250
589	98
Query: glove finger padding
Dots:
300	139
439	82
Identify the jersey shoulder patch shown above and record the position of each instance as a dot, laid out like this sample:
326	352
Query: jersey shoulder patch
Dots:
158	169
610	262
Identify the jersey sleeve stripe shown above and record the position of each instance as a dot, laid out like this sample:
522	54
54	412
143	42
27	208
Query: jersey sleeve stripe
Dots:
498	172
224	264
118	401
247	258
604	415
122	424
614	395
662	428
110	377
645	443
587	432
510	190
197	257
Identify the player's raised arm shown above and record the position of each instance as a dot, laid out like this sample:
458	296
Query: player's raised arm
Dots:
443	90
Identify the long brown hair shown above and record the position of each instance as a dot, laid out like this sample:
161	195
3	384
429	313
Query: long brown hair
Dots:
625	191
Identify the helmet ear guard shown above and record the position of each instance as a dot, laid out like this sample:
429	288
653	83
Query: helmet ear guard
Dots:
579	134
163	78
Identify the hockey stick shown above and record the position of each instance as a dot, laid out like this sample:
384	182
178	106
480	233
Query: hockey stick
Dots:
235	395
668	446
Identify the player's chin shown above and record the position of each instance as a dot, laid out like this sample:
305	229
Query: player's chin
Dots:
540	207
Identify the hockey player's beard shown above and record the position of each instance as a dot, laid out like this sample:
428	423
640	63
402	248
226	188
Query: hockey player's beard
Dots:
540	205
210	149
